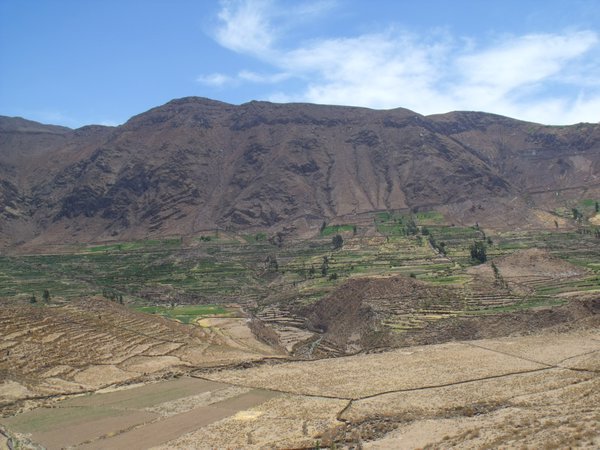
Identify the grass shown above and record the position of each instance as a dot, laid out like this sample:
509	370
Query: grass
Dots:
188	313
136	245
441	279
588	203
534	302
335	229
235	268
258	237
429	218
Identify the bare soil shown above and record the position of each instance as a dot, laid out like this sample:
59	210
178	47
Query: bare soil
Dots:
538	390
93	343
536	387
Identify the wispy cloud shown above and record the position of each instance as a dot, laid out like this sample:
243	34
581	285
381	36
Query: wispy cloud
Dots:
215	79
271	78
56	117
221	80
538	77
246	27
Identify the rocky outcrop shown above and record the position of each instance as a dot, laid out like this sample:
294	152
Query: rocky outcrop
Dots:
195	164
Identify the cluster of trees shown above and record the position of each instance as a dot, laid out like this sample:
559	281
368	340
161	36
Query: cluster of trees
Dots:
478	252
45	297
113	296
439	246
324	269
337	241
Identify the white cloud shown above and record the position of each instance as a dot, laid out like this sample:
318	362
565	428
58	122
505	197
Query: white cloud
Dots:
245	26
523	60
220	79
531	77
254	77
215	79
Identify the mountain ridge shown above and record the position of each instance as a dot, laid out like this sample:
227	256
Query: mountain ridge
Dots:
195	164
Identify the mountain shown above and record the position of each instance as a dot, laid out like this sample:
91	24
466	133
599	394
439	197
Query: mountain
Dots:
196	164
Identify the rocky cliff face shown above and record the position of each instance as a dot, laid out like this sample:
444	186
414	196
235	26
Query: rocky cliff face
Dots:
195	164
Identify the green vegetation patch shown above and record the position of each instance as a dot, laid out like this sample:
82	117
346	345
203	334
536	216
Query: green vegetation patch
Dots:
136	245
429	218
333	229
187	313
588	203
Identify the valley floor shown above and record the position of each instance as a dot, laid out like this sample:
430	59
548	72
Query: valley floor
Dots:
536	391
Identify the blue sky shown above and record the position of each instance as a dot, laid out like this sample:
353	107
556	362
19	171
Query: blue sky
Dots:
77	62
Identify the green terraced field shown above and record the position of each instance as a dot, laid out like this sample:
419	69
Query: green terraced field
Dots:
187	314
249	269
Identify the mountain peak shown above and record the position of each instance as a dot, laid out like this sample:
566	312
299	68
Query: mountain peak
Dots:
195	164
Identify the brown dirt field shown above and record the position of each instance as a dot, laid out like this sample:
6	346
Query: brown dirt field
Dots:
481	394
180	405
75	434
236	333
3	442
530	263
174	426
539	390
163	410
13	390
410	368
145	395
547	348
546	422
287	421
450	400
93	343
108	374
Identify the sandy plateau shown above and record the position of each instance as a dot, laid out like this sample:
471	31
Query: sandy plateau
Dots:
536	391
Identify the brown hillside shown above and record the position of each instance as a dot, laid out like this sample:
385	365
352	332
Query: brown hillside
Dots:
195	164
353	317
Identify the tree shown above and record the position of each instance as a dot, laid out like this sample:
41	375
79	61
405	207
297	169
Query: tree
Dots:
411	227
325	266
337	241
272	264
441	247
478	252
597	207
46	296
32	299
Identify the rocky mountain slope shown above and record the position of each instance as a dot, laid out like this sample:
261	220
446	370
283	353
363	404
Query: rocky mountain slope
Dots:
195	164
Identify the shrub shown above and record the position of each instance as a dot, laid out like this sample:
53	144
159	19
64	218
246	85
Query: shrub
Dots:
337	241
478	252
